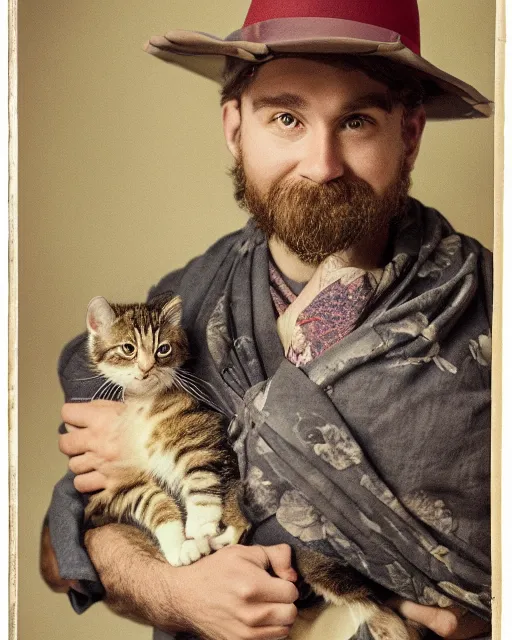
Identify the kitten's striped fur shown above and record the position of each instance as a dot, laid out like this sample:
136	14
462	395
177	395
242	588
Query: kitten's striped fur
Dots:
182	485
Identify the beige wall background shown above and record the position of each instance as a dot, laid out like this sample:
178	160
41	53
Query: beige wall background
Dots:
122	177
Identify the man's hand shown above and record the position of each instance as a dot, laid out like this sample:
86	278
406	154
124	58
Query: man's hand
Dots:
237	598
452	623
226	596
95	442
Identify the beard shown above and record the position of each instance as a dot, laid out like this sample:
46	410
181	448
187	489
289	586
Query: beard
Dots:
316	220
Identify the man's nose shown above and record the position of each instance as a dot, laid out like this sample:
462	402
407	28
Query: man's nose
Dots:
323	159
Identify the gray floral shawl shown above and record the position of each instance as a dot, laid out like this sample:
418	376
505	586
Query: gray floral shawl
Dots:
378	451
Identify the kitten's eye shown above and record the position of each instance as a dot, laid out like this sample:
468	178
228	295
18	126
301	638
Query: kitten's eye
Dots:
128	348
164	349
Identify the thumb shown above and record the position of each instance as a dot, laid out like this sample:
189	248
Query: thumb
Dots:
442	621
279	557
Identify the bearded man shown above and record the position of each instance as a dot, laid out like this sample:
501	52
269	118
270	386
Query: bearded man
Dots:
346	332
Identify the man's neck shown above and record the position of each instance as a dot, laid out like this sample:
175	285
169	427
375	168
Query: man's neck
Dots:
367	255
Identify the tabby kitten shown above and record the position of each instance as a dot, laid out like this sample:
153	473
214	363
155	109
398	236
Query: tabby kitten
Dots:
182	486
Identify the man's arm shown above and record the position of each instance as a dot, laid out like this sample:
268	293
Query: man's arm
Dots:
229	595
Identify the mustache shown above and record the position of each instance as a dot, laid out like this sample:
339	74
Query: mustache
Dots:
334	191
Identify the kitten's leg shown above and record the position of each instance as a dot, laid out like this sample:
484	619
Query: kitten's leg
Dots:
345	587
233	518
138	499
202	496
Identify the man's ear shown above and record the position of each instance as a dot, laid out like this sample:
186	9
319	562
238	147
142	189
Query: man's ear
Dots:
231	121
412	130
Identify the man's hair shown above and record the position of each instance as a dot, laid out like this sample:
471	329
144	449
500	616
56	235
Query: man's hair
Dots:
404	83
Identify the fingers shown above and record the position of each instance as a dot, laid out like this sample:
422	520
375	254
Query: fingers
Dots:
89	482
82	414
83	463
279	557
270	633
440	621
268	588
75	443
265	615
277	590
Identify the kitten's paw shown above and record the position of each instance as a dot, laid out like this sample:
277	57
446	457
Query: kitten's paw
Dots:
230	535
209	530
173	557
171	537
195	528
192	550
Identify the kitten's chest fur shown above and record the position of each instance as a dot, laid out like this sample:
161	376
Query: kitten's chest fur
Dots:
154	429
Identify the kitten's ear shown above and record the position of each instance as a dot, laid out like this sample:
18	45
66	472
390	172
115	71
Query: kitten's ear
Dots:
100	315
172	311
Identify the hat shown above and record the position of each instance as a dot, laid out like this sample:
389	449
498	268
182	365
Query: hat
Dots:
272	28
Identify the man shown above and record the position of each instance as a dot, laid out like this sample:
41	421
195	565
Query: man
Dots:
371	440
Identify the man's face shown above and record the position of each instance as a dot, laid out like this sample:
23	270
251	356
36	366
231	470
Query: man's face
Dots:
323	157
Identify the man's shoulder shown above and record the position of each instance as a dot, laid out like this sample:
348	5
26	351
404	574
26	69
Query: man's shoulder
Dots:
447	241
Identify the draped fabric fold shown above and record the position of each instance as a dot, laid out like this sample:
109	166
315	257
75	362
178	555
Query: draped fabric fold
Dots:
378	450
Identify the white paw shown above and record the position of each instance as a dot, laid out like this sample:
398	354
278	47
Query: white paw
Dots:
170	536
229	536
192	550
209	530
197	527
173	557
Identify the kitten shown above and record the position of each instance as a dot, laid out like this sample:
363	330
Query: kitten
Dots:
184	486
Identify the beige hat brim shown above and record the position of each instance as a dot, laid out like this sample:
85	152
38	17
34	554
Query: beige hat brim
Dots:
205	54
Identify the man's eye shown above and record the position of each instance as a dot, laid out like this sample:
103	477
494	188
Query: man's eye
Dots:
356	122
287	120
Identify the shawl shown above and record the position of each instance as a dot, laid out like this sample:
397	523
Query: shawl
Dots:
378	450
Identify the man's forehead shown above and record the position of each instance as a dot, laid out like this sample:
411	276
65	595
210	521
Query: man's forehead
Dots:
297	83
285	100
305	78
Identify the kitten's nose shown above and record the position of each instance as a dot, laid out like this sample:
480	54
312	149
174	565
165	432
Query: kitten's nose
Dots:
145	365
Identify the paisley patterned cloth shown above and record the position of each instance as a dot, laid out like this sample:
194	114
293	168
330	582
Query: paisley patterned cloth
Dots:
377	449
325	311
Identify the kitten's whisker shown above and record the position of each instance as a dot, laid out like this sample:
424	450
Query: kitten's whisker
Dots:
197	393
106	393
192	384
107	383
198	381
100	375
112	394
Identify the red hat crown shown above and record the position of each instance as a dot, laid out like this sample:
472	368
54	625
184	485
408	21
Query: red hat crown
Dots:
401	16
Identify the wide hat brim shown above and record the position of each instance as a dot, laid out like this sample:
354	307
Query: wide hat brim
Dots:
447	97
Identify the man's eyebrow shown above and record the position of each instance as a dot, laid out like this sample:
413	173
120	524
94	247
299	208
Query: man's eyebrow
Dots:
281	100
378	99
